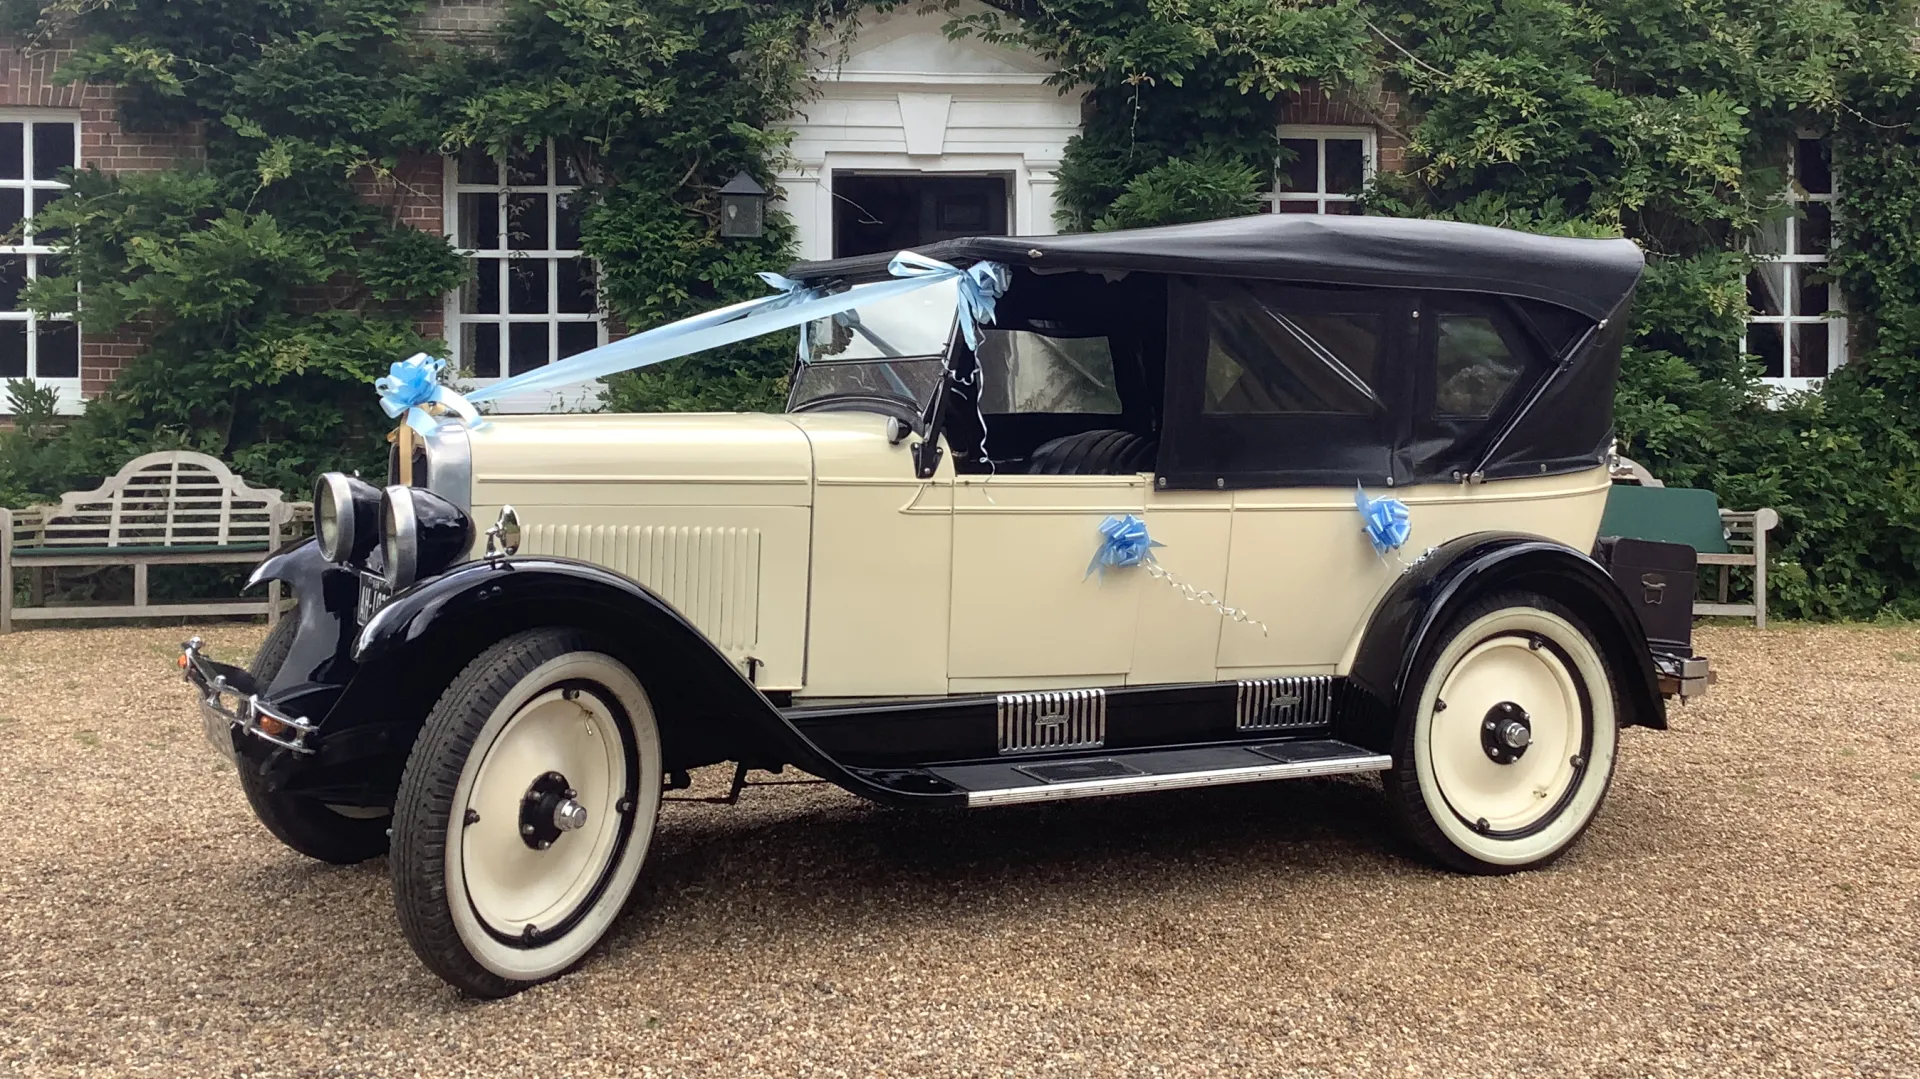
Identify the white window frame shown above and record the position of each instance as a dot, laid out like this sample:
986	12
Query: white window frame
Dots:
1320	196
570	397
67	388
1795	197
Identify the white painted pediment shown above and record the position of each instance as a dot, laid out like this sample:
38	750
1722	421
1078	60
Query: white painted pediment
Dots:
912	46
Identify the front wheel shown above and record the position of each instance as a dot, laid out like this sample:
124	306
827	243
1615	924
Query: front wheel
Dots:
1506	748
340	835
524	813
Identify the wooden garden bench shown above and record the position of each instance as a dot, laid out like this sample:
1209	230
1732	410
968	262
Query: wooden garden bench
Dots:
1719	537
175	507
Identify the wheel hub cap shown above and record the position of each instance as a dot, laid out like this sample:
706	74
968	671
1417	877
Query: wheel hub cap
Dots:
1506	748
549	809
1506	732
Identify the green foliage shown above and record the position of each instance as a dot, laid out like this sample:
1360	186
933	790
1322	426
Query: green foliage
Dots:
664	102
1179	190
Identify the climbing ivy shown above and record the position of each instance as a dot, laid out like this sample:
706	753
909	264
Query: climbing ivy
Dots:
272	289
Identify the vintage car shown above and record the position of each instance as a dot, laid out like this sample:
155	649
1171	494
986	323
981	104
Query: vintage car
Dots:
1222	503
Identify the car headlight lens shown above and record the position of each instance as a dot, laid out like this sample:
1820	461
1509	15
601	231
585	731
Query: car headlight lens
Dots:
420	534
346	515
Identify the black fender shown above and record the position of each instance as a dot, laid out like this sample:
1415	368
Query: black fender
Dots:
708	711
1406	626
327	593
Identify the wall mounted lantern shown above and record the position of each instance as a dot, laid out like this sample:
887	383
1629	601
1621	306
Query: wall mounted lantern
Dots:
743	208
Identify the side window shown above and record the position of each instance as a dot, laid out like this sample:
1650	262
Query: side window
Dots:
1022	372
1476	366
1263	361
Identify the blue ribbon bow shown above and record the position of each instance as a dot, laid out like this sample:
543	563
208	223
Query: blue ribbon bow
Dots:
409	385
980	285
1386	521
412	384
1123	542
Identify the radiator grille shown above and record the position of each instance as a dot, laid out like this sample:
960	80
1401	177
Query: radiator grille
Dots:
374	595
710	575
1281	703
1059	719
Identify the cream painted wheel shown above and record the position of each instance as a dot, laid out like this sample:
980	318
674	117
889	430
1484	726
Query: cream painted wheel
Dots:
525	813
1509	746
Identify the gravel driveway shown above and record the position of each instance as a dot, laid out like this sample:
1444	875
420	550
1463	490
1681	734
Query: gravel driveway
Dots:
1746	905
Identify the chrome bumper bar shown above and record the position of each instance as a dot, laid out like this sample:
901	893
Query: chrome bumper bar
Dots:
1683	676
220	682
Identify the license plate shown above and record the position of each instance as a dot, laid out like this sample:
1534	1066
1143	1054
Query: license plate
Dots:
219	731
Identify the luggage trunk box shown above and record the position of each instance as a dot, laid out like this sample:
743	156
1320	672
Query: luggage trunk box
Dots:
1658	580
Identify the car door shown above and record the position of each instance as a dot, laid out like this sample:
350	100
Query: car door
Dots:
1026	613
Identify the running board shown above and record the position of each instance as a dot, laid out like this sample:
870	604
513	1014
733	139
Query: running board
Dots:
1139	771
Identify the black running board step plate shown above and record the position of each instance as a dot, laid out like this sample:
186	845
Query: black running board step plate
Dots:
1137	771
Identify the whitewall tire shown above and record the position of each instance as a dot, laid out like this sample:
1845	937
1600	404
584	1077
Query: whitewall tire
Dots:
525	812
1505	747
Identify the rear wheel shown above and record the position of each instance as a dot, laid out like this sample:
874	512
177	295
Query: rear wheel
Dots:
525	812
343	835
1506	750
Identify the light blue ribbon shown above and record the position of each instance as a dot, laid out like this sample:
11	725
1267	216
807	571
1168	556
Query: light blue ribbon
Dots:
412	384
980	285
795	291
1386	521
1123	542
796	305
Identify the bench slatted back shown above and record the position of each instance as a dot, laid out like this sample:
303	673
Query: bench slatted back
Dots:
173	498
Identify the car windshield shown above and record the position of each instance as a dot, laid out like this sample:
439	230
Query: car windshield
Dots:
892	350
916	324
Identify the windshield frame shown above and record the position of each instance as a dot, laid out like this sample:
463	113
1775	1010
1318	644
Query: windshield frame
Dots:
917	413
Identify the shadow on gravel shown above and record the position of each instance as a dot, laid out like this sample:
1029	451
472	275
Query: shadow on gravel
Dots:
769	872
848	859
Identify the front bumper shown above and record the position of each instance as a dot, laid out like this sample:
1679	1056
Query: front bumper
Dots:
231	707
1684	677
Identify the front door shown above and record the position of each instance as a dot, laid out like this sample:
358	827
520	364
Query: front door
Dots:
885	213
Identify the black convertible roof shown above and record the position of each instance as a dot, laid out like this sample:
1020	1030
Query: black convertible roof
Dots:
1592	277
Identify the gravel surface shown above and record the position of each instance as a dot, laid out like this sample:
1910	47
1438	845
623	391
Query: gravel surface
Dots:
1744	906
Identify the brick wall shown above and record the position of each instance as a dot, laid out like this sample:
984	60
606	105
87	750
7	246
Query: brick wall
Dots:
1379	109
462	20
412	195
26	82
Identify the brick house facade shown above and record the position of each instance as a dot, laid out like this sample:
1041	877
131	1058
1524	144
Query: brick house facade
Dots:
29	98
905	106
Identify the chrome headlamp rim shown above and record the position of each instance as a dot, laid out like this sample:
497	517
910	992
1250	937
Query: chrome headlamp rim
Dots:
346	517
400	536
332	515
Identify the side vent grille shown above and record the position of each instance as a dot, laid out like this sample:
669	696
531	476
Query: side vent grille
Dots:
710	575
1284	703
1058	719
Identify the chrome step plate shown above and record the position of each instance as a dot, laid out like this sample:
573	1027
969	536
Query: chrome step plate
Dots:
1158	770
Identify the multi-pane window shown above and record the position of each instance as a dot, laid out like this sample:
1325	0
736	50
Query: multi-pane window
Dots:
1795	328
35	148
1323	170
531	297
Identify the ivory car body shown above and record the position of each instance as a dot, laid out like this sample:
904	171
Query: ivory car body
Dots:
1122	523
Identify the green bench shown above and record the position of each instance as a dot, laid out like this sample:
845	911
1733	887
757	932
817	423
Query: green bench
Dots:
1722	538
175	507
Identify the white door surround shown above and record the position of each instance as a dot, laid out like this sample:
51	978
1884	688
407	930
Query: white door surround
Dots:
906	99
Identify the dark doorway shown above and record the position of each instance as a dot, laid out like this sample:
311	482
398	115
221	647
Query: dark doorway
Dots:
884	214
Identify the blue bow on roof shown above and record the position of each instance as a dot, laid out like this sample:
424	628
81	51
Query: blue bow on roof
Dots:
980	285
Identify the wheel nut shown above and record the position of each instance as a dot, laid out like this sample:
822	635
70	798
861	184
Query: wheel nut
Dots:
526	829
